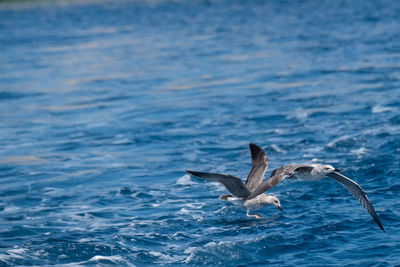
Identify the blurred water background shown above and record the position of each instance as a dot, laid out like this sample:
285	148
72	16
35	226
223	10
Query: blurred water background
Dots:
104	104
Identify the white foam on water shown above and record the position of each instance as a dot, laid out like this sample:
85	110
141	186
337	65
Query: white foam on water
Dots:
11	209
213	244
163	257
194	205
192	251
278	149
339	139
17	253
184	211
381	109
360	152
185	180
299	114
115	259
122	141
218	186
193	213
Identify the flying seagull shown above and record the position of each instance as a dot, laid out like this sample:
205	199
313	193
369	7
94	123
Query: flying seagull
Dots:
315	172
242	192
256	198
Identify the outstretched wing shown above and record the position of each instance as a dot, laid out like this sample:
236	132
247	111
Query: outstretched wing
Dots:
259	166
276	177
356	190
232	183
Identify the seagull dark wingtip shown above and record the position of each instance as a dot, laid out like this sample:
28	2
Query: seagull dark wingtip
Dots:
255	147
381	226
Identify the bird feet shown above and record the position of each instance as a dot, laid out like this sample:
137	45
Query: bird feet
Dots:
257	216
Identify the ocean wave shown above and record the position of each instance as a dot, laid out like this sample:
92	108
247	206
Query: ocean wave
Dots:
95	138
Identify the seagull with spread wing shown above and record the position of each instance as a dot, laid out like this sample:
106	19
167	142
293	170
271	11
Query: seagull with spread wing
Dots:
241	192
315	172
251	195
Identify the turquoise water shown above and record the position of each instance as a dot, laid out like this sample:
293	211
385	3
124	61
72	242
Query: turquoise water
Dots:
103	106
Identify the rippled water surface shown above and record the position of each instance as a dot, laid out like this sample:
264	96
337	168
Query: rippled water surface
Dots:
103	105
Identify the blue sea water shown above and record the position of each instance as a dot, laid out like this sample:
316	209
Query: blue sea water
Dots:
104	104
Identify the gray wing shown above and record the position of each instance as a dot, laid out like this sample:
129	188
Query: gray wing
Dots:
356	190
276	177
232	183
259	166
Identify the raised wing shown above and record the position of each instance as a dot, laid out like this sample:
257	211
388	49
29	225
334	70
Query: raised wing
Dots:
356	190
232	183
276	177
259	166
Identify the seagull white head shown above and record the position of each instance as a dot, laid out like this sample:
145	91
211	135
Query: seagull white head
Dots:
275	201
329	168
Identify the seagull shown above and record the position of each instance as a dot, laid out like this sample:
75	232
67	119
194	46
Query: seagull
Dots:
315	172
241	192
251	195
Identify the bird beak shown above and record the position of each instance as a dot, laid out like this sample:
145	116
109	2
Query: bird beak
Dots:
280	207
336	170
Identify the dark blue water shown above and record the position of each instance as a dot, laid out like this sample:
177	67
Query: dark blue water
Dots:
103	105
